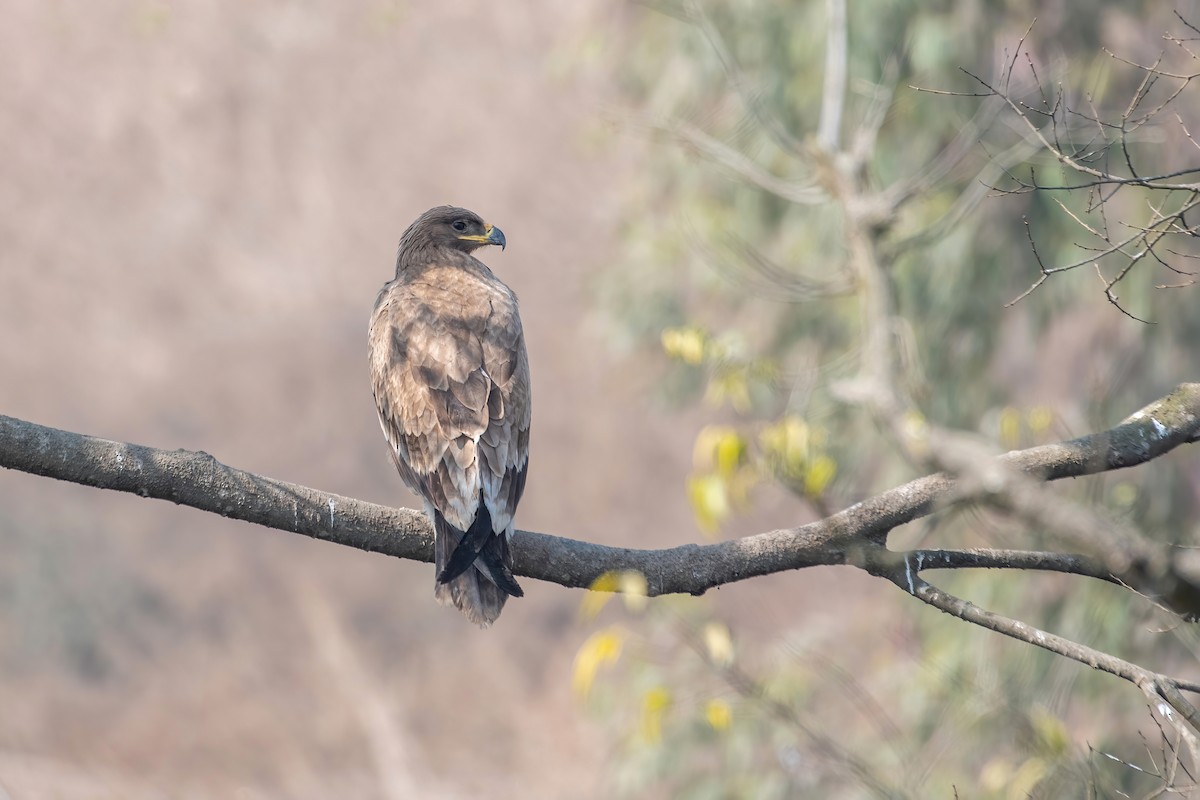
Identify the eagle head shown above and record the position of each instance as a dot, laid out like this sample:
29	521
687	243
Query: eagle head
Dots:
453	228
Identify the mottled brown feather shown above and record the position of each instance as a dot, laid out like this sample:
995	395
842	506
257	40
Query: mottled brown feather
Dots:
450	377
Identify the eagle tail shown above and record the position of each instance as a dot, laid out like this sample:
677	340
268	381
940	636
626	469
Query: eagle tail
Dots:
468	545
474	568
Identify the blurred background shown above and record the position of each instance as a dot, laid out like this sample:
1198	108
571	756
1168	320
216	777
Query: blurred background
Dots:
198	205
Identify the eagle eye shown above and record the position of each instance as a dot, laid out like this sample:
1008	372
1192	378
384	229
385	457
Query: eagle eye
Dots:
459	225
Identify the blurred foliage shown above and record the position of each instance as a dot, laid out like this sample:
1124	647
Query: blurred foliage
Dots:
695	714
745	293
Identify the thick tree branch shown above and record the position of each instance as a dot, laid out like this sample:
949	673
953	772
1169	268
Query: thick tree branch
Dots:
198	480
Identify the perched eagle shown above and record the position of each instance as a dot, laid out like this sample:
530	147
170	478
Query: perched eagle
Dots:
451	383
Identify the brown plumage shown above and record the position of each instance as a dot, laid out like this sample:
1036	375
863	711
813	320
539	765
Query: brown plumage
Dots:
451	383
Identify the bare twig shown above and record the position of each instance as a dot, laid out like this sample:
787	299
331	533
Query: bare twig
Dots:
746	168
1069	563
963	609
1160	689
1052	123
737	79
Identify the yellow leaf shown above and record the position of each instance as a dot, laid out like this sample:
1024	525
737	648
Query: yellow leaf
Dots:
704	451
995	775
657	699
719	714
1026	779
818	476
916	430
634	589
772	439
654	705
1040	420
601	648
685	344
1125	494
669	338
598	595
718	644
796	437
1010	427
710	504
1052	737
730	385
729	453
787	444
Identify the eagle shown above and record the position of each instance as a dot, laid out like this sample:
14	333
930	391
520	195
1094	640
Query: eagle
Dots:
451	381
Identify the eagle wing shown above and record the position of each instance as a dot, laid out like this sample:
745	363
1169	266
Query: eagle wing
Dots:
451	381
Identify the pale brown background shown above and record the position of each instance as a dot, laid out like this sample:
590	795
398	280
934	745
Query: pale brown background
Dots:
198	204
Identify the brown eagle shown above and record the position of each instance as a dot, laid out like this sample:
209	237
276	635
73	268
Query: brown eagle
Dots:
451	383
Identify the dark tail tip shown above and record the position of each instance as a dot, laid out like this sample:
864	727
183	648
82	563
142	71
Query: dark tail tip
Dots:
473	541
495	560
482	547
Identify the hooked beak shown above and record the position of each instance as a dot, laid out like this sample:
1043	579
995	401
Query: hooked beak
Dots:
495	236
491	235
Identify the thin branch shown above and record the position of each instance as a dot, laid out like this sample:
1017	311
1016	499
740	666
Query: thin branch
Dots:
968	200
833	95
749	269
737	79
1055	148
862	145
747	168
1041	267
1162	690
1069	563
969	612
1116	180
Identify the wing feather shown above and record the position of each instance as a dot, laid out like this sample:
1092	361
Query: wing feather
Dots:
451	381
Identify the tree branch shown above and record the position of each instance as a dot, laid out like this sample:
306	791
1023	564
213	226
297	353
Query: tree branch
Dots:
198	480
1068	563
833	95
1083	143
1157	687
